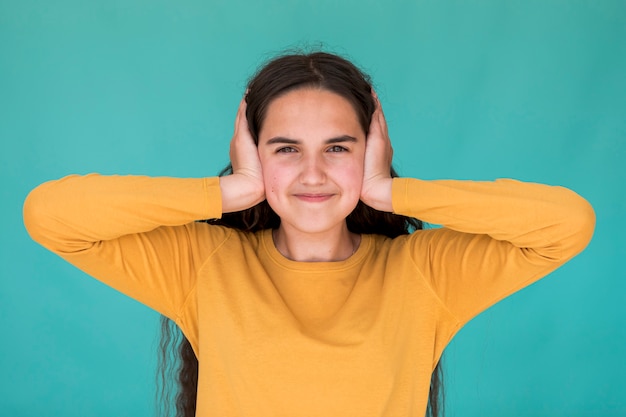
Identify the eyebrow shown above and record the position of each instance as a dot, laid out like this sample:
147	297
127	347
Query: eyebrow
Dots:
283	140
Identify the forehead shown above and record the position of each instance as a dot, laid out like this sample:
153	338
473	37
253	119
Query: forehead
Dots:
310	112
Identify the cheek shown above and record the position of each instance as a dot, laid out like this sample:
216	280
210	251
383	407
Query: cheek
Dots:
272	176
352	175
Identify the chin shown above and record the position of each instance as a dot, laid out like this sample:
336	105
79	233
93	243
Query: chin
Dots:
315	225
311	220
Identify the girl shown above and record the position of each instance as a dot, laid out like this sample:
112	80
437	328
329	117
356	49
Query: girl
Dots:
304	294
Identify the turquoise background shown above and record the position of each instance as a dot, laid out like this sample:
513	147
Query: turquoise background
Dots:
533	90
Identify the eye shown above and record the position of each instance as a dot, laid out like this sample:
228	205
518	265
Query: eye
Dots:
286	149
337	148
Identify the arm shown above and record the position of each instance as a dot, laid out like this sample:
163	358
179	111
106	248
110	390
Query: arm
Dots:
134	233
137	233
497	237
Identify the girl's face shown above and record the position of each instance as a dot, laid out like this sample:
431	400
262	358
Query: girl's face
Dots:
312	149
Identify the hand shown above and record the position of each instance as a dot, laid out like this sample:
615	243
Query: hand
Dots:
244	188
376	189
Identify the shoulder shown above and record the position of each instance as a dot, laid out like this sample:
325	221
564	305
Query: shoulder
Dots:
220	239
422	238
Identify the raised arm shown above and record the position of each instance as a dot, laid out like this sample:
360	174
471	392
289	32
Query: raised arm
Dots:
137	233
74	213
134	233
497	236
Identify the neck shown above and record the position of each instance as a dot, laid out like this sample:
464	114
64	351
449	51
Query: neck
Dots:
331	246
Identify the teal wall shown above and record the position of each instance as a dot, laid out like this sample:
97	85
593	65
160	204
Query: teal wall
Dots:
533	90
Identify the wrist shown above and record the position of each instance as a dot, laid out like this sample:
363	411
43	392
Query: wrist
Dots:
377	194
240	192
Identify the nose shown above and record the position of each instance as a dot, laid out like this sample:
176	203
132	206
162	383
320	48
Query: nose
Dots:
313	170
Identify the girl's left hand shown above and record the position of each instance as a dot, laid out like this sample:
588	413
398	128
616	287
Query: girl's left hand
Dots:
376	189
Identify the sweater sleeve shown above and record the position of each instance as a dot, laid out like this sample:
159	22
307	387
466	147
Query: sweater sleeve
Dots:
497	237
134	233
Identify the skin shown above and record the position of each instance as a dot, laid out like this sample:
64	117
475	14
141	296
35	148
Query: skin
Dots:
313	163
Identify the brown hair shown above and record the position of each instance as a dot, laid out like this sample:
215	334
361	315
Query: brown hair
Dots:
281	75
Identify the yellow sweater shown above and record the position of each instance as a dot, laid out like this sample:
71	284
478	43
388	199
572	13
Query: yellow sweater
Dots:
276	337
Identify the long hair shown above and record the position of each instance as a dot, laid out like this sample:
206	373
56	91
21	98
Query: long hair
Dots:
178	364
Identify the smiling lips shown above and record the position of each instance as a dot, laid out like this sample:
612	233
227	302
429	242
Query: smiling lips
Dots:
313	198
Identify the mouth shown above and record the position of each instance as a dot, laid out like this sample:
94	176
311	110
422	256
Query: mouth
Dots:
313	198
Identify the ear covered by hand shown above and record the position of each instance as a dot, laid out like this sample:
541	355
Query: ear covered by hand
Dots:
244	188
377	181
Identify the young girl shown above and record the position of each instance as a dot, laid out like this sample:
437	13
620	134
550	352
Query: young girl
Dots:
304	294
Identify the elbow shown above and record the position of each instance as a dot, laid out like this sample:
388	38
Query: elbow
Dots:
33	213
48	215
569	231
581	224
37	216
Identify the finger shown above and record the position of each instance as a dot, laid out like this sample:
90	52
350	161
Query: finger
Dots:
242	108
379	113
381	118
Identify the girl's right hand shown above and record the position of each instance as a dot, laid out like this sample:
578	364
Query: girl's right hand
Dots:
244	188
